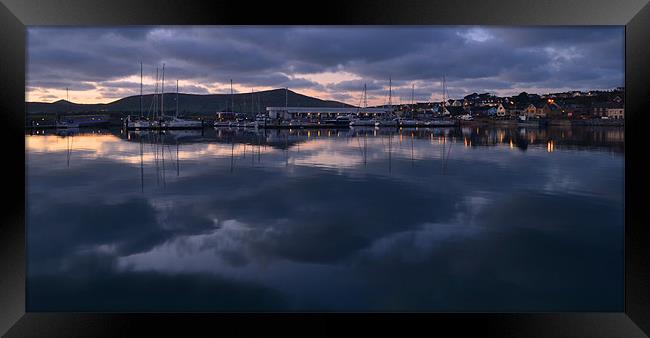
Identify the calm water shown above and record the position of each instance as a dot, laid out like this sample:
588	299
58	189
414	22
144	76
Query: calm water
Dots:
466	219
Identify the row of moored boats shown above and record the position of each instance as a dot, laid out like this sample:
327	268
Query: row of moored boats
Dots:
339	122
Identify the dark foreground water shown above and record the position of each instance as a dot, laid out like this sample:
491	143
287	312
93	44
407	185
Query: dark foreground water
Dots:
471	219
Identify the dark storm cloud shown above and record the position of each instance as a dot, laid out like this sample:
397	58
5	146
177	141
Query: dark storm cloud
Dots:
356	85
473	58
59	84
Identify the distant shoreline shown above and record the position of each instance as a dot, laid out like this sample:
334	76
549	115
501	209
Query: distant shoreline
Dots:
494	123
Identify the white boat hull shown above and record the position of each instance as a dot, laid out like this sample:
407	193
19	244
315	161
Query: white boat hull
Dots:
363	123
177	123
386	124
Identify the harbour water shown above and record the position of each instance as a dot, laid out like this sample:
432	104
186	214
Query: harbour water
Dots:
445	219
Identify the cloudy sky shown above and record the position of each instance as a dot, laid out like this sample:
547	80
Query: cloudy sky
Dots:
103	64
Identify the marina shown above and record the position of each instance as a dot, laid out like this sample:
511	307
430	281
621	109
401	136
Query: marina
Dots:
287	117
415	169
474	109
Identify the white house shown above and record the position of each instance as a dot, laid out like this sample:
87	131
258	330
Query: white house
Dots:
501	110
616	113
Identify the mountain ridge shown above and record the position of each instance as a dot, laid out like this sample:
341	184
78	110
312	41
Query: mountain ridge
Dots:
189	104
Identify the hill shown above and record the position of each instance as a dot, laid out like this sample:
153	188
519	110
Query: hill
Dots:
189	104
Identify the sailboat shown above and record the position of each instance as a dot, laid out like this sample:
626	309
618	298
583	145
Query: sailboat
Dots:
411	122
358	121
258	121
178	123
387	121
140	123
67	122
232	111
443	106
445	120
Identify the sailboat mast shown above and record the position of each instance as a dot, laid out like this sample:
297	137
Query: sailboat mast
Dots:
67	98
155	96
412	94
162	94
412	100
177	98
365	96
141	90
232	99
444	90
390	92
442	103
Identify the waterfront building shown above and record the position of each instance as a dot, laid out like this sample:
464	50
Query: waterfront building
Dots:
322	112
599	110
456	110
615	113
551	109
530	111
576	111
484	111
547	109
501	110
515	110
616	110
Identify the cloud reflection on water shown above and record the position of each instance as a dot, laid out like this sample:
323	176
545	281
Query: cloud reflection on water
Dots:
499	230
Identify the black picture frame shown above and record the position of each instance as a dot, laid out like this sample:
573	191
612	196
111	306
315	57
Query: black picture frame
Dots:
15	15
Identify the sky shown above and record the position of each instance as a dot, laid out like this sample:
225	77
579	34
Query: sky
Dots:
102	64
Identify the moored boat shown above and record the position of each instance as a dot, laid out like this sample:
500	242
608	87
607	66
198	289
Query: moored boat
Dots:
442	122
339	121
178	123
411	123
222	123
137	124
362	122
387	123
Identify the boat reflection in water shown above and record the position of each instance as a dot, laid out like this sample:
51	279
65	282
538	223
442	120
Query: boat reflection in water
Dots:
358	219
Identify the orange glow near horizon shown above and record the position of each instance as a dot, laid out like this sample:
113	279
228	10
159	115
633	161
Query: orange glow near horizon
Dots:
96	97
104	93
110	91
